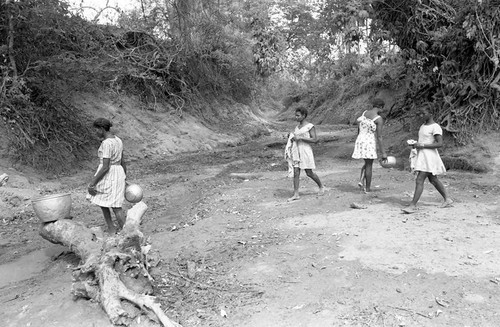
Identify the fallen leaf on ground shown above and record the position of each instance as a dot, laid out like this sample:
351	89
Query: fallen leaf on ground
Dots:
355	205
442	302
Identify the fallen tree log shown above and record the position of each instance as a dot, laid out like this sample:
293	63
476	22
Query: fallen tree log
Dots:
114	270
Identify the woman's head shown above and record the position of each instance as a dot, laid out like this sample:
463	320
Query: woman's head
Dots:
300	113
102	123
425	112
378	103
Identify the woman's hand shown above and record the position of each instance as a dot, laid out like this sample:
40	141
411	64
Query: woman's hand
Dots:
419	146
91	189
412	143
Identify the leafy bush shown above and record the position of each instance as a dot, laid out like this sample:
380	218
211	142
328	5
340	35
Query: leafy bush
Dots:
44	43
51	53
451	56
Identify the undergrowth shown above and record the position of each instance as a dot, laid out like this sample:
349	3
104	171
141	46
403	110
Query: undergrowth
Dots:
52	54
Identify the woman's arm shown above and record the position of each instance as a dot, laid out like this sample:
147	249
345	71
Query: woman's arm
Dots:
438	143
122	162
312	139
378	134
99	175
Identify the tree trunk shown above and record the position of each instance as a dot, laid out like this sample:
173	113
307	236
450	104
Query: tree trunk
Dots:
10	39
113	270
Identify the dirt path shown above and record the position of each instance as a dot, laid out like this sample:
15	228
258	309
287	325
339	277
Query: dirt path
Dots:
260	261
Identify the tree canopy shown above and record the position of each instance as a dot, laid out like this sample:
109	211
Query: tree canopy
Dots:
444	52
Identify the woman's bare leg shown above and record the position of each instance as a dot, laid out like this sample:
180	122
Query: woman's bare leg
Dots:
368	174
419	188
296	183
107	217
316	179
441	189
120	217
361	182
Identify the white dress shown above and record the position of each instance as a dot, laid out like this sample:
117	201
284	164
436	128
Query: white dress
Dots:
305	158
111	188
366	142
428	160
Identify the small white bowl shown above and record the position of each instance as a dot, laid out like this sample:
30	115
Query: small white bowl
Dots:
390	162
133	193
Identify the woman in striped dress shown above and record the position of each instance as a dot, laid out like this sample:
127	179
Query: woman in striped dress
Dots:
107	187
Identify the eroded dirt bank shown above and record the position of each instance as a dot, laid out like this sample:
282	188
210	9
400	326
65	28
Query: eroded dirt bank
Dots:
260	261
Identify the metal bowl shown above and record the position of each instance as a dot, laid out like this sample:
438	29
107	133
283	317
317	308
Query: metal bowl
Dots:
133	193
52	207
390	162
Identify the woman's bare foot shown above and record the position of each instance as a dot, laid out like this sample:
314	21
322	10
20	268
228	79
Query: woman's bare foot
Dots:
411	208
112	231
322	190
362	187
293	198
447	203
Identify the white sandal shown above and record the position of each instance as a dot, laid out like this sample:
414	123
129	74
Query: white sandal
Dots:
3	179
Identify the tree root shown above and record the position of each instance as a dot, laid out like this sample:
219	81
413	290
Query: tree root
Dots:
113	270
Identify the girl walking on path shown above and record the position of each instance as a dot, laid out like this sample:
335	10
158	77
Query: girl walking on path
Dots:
303	136
368	141
107	187
428	163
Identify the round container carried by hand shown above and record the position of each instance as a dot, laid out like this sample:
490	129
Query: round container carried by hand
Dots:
133	193
52	207
390	162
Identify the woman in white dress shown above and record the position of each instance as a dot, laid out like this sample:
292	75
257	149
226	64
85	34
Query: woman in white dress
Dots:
107	187
368	141
304	135
428	163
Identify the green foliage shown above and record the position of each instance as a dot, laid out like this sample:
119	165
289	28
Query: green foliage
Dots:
266	50
43	130
346	21
452	56
319	37
192	50
175	52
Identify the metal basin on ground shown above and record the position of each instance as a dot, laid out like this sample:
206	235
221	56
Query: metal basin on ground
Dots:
52	207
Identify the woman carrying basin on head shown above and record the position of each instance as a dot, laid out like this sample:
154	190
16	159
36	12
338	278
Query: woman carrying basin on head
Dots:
107	186
369	140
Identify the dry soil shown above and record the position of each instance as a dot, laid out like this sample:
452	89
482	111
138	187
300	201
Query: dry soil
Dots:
257	260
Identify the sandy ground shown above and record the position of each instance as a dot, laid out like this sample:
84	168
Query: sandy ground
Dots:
261	261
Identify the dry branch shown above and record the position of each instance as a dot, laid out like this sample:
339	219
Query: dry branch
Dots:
113	270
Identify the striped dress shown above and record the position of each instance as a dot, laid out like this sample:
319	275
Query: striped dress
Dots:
111	188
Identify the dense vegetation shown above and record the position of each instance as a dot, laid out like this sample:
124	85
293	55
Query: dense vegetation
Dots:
176	52
452	52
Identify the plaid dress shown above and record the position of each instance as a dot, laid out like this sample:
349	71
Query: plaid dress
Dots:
111	188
